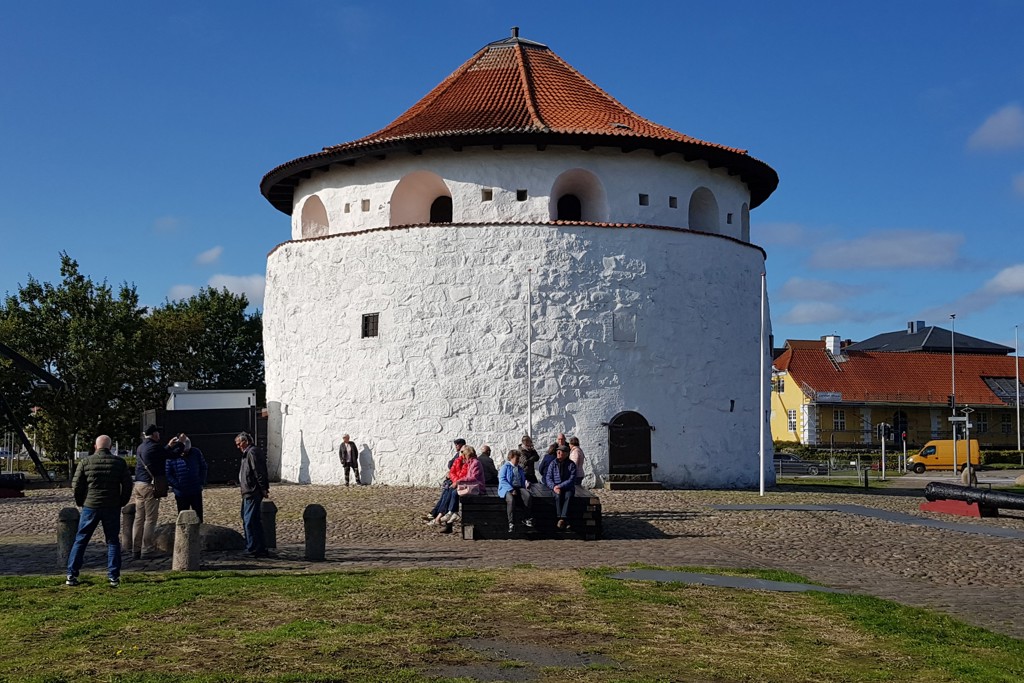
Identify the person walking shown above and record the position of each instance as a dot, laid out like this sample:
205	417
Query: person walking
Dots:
186	477
102	485
150	487
349	455
254	484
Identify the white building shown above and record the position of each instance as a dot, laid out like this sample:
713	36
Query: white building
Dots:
398	312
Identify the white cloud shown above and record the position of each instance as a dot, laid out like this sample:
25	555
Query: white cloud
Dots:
178	292
779	233
252	286
815	312
798	288
166	225
1000	131
209	256
892	249
1007	282
1018	184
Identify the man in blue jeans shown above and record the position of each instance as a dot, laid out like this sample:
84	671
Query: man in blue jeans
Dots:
255	486
102	486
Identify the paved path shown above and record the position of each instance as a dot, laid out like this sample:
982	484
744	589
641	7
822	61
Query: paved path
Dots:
977	577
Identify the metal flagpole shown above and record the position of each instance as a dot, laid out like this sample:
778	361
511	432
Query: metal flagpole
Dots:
529	352
952	372
1016	367
760	384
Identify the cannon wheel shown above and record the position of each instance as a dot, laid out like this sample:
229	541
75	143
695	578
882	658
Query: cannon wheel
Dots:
918	468
812	470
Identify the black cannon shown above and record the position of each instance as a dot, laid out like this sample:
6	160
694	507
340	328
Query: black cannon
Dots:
986	499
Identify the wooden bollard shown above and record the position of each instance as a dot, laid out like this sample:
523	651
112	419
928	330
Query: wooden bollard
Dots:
186	542
67	529
127	525
268	515
314	519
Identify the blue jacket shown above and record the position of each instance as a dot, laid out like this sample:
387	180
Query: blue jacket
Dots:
545	464
187	475
553	476
508	475
153	455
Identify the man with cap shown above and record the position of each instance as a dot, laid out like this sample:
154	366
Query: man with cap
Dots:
102	486
150	487
349	455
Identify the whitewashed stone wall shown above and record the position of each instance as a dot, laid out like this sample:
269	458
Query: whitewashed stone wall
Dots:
450	359
623	177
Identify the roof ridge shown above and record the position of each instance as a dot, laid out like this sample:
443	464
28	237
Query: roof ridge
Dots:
527	85
931	328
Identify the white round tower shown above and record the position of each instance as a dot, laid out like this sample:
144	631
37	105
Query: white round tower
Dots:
518	253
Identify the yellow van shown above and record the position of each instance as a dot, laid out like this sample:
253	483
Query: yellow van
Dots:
938	455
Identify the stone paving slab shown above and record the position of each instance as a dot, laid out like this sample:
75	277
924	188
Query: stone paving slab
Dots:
977	577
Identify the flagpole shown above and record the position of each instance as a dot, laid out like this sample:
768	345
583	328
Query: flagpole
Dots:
529	352
1016	368
760	385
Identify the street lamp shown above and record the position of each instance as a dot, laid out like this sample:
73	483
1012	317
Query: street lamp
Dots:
967	410
952	373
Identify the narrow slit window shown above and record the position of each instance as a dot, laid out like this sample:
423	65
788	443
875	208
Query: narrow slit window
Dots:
371	323
645	200
521	195
486	194
673	202
348	208
728	218
366	205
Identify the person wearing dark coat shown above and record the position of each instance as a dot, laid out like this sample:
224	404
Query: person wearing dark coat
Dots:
254	484
186	477
560	477
150	462
348	453
102	485
529	459
549	458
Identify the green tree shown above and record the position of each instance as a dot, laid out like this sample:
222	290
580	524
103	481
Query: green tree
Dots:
95	341
209	341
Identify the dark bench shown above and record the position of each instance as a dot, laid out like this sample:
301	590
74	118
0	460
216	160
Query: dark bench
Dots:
12	485
485	516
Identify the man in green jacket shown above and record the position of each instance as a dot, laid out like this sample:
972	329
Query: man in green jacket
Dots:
102	486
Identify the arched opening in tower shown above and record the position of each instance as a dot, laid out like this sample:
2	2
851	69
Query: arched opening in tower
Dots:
441	210
570	208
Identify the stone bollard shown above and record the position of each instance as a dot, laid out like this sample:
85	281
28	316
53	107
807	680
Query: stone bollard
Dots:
127	526
314	519
268	515
67	529
186	542
969	477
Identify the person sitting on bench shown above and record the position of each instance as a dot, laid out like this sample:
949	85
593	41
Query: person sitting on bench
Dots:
560	477
549	458
514	488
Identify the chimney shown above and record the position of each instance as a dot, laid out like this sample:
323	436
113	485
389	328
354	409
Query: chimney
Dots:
915	326
515	31
832	344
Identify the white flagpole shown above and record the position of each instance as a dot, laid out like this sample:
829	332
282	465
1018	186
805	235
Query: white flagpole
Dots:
760	384
1016	374
529	352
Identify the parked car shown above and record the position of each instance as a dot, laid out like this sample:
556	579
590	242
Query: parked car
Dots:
787	464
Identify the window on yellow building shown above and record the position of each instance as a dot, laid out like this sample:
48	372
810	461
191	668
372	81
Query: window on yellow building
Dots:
791	415
839	420
1007	424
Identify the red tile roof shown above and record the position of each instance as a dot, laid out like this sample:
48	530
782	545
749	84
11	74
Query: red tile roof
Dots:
516	91
881	377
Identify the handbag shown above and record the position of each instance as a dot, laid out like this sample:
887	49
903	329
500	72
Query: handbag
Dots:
468	488
159	483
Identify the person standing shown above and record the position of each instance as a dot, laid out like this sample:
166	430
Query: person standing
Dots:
186	477
254	484
150	487
349	455
577	457
530	458
102	486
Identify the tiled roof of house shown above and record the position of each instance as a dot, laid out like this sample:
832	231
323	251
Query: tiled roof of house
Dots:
881	377
516	91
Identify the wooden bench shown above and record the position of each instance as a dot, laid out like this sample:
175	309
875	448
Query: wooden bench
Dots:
485	516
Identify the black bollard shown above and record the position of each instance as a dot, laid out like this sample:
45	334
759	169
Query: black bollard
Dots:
314	518
865	478
268	514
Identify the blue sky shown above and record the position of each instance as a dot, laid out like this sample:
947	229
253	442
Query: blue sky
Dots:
134	135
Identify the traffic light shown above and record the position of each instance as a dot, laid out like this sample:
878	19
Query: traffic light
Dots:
949	400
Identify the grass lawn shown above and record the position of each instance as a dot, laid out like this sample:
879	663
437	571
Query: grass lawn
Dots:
519	624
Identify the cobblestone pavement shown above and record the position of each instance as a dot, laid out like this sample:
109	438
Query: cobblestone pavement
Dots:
977	578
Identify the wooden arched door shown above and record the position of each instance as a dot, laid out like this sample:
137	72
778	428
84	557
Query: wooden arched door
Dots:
629	446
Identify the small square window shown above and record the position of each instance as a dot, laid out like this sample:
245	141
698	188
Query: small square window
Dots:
366	205
521	195
486	194
644	200
673	203
728	218
370	324
348	208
